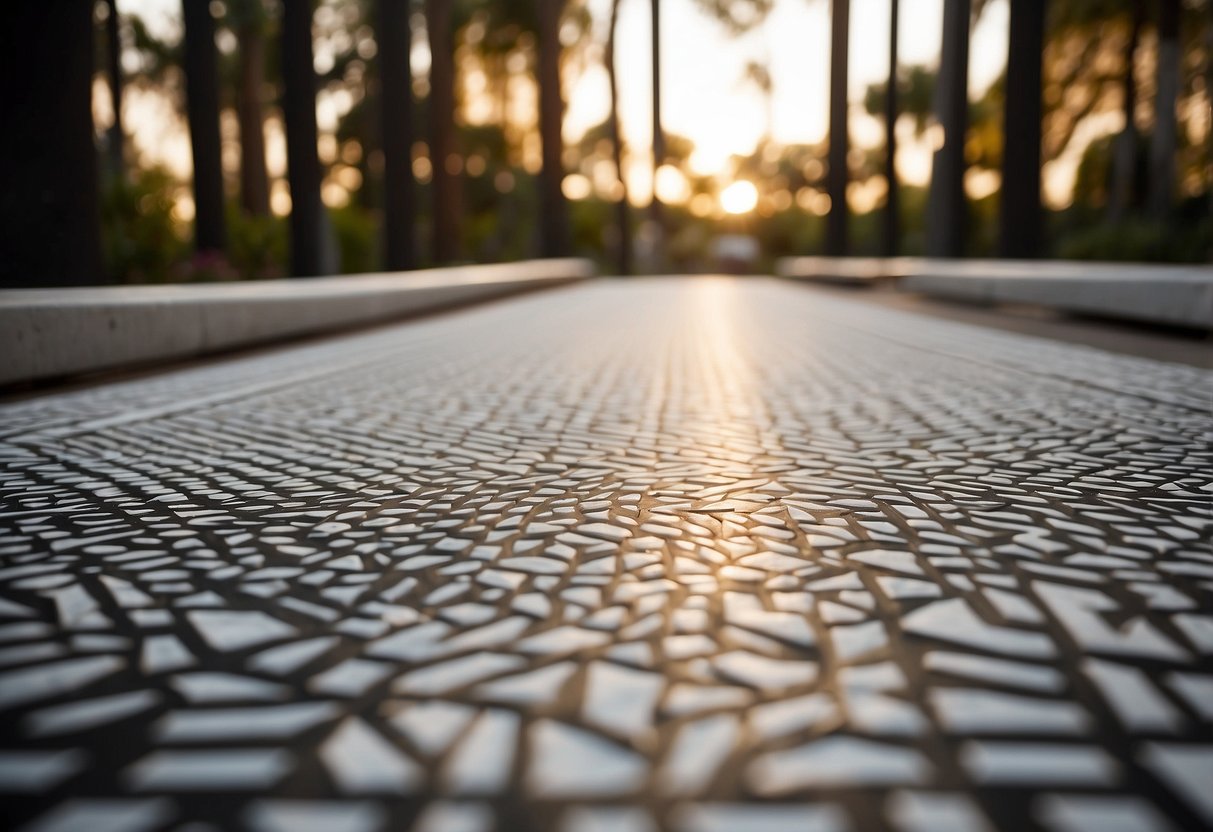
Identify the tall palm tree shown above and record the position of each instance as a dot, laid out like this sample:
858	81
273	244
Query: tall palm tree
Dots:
1020	218
1164	139
655	213
892	205
396	118
554	219
249	21
758	74
202	107
622	218
445	182
1209	86
1124	154
49	222
116	140
947	205
303	161
836	169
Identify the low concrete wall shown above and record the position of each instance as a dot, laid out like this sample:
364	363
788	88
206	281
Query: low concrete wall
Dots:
849	271
46	333
1171	295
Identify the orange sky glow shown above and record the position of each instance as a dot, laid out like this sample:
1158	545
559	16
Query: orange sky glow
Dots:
706	98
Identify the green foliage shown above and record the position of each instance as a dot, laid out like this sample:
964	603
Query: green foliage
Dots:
1094	173
500	226
984	143
145	243
141	239
981	232
1140	240
205	267
593	227
246	13
257	245
739	16
1076	13
790	231
1084	232
913	201
156	57
357	233
915	91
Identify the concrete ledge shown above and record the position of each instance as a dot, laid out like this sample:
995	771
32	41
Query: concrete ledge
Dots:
46	333
847	271
1169	295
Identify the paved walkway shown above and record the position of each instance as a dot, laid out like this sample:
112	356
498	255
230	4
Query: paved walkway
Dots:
693	554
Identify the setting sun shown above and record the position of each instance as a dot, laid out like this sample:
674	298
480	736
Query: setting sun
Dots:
739	198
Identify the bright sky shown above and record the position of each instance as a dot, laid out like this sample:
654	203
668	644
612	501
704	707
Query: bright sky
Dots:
705	97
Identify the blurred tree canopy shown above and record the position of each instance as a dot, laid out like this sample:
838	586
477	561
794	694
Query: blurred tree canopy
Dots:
1101	82
1100	61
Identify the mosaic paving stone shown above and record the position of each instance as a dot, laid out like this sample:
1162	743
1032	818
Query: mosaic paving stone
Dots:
696	554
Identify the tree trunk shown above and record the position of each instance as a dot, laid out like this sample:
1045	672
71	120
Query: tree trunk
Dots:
553	209
836	169
622	219
49	220
1164	139
370	195
655	212
303	160
396	119
892	206
1124	155
946	218
444	184
1208	25
116	139
254	179
202	107
554	212
507	231
1020	219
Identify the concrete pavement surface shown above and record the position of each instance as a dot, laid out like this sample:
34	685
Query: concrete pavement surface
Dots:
690	554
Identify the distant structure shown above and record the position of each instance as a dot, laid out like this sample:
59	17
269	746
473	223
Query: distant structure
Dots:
837	176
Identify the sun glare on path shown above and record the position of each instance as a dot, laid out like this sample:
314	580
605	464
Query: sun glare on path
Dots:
739	198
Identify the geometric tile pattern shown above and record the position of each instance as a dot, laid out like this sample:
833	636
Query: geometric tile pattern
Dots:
698	554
